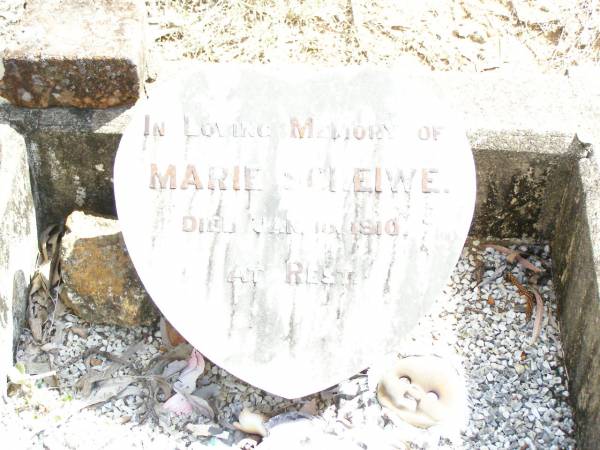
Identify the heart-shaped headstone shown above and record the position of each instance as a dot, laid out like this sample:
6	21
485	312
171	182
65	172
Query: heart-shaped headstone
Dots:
293	224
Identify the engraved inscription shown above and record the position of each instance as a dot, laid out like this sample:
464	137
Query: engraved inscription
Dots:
369	180
298	128
252	275
298	272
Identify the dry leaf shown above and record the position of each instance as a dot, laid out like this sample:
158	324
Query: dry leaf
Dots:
174	367
178	404
182	404
539	315
48	347
187	379
161	385
49	255
79	331
491	301
86	382
200	406
527	264
108	389
48	242
170	335
514	255
310	407
160	361
39	306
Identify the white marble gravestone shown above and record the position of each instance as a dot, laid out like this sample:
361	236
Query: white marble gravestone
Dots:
294	223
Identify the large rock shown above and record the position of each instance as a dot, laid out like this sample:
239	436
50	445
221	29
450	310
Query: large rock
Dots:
75	53
100	283
18	242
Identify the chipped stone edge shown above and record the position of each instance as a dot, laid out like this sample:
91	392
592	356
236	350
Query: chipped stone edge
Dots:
139	48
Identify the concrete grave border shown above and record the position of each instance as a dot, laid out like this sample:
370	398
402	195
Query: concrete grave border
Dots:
537	180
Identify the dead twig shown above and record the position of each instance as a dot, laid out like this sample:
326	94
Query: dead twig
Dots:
514	256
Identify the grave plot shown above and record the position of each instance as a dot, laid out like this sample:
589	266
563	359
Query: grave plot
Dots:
199	232
500	342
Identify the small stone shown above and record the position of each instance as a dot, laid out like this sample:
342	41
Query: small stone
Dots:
209	391
79	331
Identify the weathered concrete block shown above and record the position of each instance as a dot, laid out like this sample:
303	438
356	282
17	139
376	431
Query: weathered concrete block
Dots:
520	180
100	282
18	242
576	253
75	53
71	155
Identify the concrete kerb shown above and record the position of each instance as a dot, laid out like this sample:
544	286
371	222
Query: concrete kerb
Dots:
536	181
18	243
576	253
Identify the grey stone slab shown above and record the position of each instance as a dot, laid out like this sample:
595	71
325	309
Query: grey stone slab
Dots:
516	103
75	53
518	182
311	218
18	243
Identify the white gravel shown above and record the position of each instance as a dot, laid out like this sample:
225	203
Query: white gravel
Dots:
517	394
